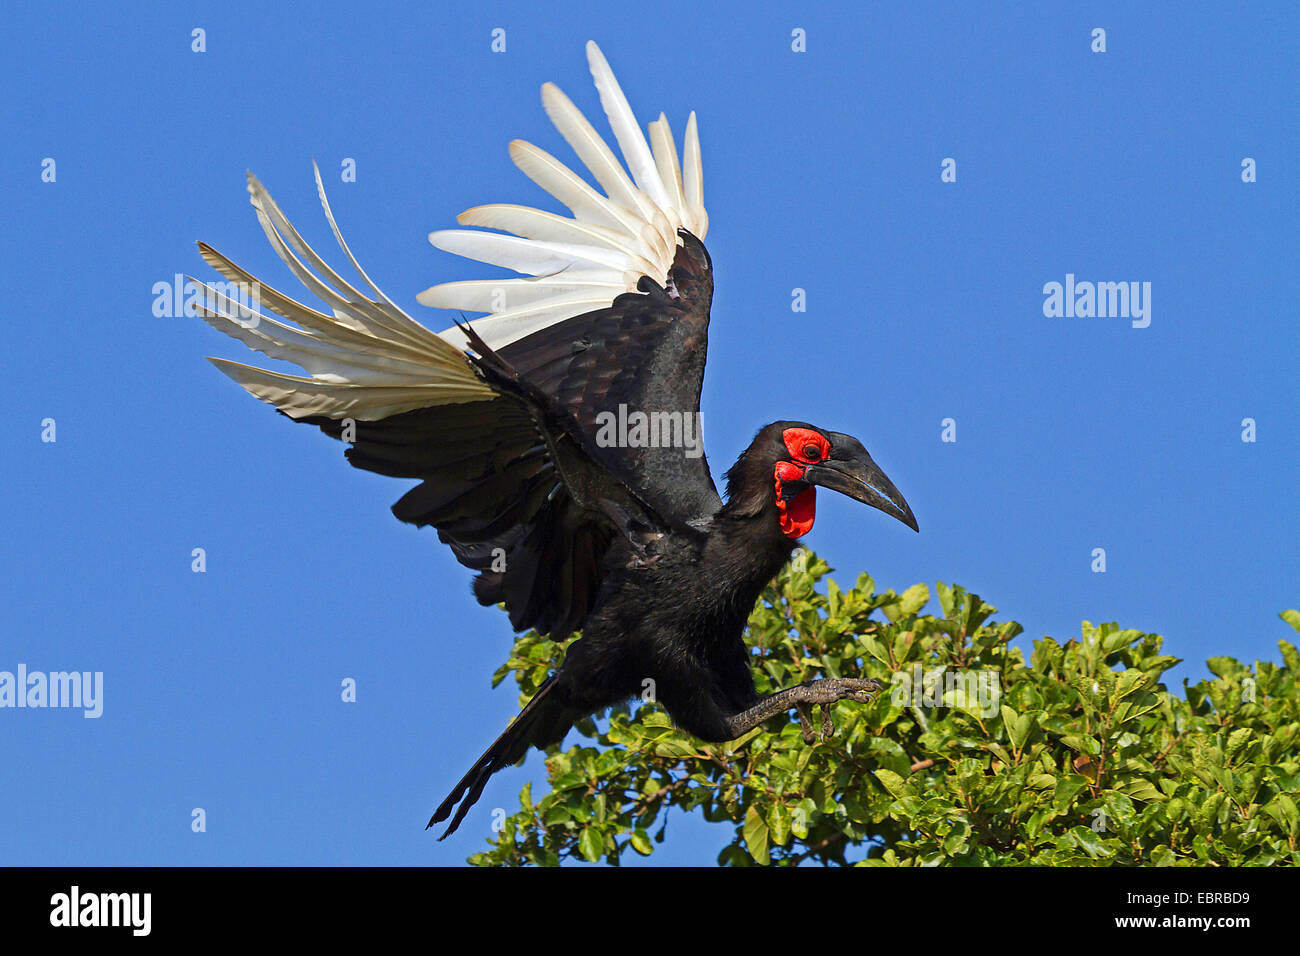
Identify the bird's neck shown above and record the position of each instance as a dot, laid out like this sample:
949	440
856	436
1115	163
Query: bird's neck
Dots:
749	548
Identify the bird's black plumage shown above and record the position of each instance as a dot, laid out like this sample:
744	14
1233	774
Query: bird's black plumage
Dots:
625	540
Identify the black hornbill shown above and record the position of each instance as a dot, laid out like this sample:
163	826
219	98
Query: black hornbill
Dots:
506	421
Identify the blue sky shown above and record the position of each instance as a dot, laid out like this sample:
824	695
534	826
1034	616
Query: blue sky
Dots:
822	172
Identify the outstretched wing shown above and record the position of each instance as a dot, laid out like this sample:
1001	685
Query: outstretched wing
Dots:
577	425
506	475
612	319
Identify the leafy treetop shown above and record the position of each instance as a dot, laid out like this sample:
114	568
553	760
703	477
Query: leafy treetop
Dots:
971	756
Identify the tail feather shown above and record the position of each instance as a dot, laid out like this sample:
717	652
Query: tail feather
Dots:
543	721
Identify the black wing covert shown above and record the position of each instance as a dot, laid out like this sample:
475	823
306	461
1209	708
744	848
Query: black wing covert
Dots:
644	355
513	493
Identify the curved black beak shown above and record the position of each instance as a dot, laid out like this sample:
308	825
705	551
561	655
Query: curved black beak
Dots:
861	479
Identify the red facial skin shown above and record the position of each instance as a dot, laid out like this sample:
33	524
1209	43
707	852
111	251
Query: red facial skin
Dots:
806	447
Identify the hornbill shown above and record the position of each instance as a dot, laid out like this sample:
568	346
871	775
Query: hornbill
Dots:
506	421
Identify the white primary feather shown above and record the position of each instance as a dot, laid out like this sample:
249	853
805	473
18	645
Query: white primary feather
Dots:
324	359
498	295
593	151
368	360
670	173
610	243
532	257
626	129
516	323
693	177
547	226
569	188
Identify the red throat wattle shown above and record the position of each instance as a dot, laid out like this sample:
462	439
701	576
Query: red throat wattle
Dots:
797	515
806	447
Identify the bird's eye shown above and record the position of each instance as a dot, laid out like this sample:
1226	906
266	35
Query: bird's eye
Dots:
805	445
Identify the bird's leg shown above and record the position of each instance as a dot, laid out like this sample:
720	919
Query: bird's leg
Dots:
805	722
825	693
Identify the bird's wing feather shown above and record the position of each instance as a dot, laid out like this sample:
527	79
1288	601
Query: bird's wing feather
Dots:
638	362
612	319
507	475
617	239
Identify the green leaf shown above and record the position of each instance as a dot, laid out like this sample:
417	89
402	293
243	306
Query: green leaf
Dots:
1283	809
892	782
1237	741
1067	788
800	817
556	814
568	781
876	649
955	842
1131	681
1163	856
1084	743
1089	842
591	844
1018	726
756	834
1206	775
946	600
778	822
640	841
909	602
1290	656
675	747
1140	789
1226	667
